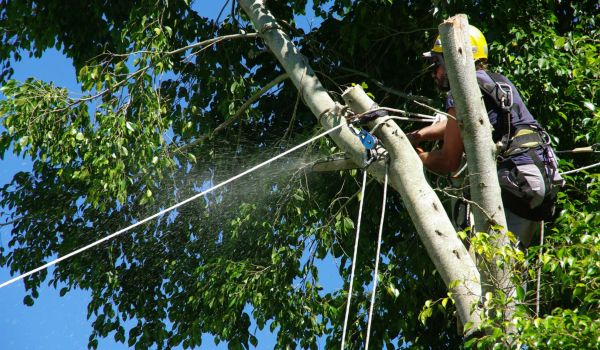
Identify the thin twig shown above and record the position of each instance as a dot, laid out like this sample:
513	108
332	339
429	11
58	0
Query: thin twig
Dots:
237	114
489	217
8	223
292	119
388	89
190	46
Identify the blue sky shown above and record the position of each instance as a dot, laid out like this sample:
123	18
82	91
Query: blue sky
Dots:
55	322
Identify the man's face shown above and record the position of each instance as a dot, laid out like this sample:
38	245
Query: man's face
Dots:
439	74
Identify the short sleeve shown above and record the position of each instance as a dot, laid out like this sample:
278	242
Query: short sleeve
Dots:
449	100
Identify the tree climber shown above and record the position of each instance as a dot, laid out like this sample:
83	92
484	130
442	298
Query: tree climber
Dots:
527	168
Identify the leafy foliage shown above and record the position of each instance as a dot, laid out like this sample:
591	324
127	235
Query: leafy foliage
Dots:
141	139
568	300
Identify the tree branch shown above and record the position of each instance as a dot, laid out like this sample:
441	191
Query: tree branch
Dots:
237	114
8	223
249	102
144	69
333	165
204	43
433	225
210	42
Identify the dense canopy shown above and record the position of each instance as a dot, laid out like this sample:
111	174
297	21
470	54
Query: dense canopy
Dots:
159	122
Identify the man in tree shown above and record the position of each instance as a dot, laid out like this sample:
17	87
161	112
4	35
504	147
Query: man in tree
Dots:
527	168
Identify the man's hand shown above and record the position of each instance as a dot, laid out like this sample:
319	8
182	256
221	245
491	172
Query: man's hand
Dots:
414	137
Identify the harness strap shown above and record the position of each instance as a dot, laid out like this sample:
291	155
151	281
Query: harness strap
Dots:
524	139
501	93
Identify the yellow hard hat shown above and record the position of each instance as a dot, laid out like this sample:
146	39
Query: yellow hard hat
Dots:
478	43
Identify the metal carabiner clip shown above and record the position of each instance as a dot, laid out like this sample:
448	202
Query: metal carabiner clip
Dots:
366	138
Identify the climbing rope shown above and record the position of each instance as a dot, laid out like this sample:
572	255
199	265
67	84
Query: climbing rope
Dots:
595	148
539	272
360	207
580	169
256	167
377	112
370	319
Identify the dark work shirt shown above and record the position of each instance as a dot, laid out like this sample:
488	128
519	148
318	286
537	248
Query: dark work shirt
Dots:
520	115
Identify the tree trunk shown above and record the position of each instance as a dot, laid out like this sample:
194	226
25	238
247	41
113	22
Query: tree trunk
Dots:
433	225
476	133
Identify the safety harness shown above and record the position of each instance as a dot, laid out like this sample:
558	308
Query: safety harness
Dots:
531	140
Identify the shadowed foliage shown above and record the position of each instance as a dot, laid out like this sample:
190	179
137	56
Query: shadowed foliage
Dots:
142	139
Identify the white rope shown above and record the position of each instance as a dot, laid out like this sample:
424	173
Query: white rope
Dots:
580	169
539	272
410	114
56	261
360	207
370	319
385	119
437	111
399	111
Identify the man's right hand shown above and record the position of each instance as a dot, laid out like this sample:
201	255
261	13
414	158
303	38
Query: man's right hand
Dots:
414	138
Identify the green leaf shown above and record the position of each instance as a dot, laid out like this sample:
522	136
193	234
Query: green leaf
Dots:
589	105
579	290
520	293
28	300
348	224
23	141
392	290
425	314
129	126
253	340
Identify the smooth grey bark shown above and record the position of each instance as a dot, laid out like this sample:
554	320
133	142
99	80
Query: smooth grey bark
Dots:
433	225
406	172
475	127
480	149
301	74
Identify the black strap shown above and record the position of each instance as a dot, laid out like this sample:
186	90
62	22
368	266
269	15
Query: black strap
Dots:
499	96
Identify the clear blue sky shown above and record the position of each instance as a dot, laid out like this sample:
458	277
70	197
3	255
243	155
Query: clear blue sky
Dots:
55	322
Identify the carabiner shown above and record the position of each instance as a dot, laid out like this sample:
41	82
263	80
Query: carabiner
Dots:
366	138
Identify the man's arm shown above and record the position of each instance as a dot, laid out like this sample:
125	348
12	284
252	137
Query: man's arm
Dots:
446	159
429	133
